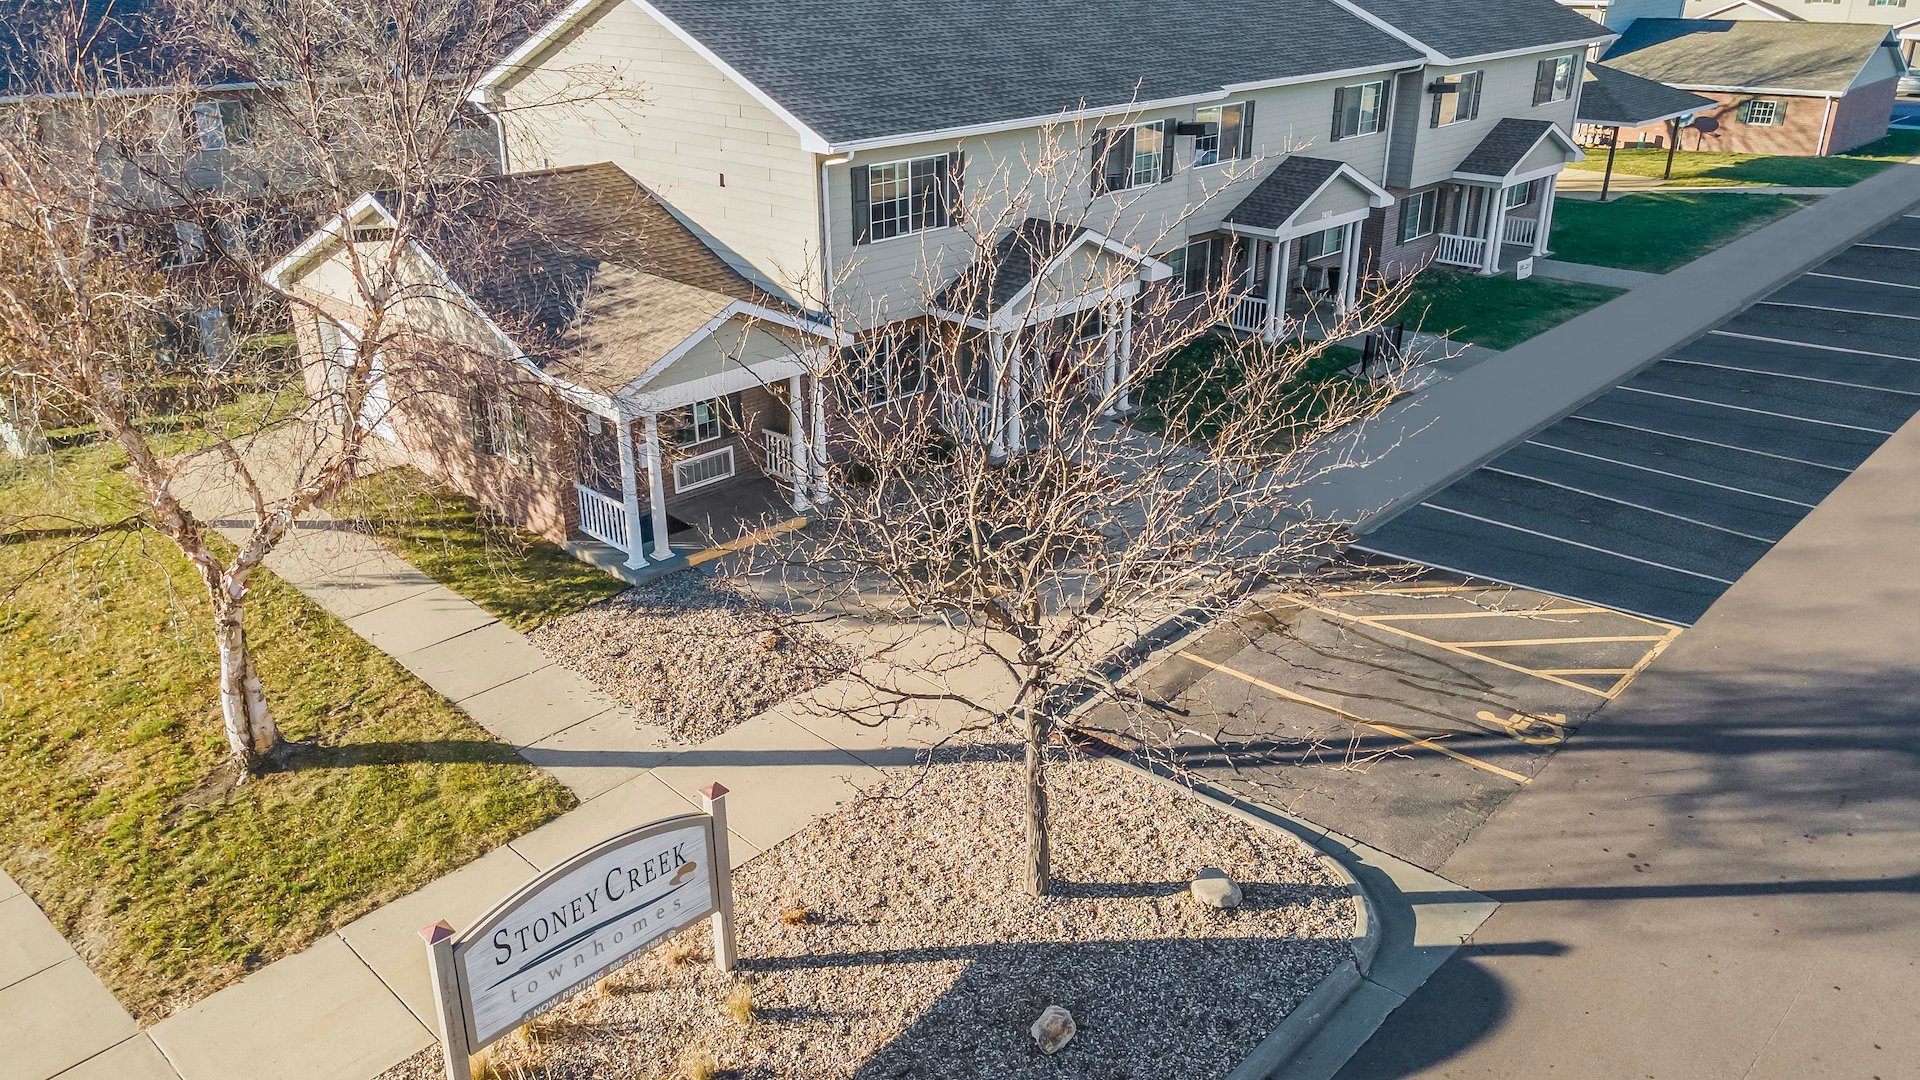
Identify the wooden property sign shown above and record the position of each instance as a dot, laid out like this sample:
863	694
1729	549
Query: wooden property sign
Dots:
564	929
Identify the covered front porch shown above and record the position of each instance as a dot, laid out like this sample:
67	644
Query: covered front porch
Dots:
1497	208
1294	243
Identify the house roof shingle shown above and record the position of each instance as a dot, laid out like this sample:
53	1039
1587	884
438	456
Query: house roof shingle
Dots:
1508	144
880	68
1284	191
993	279
1467	28
1615	98
1814	58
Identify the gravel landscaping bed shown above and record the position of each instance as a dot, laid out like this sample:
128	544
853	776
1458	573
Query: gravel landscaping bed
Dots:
891	939
690	653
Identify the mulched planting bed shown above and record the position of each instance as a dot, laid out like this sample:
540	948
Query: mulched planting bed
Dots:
690	653
920	955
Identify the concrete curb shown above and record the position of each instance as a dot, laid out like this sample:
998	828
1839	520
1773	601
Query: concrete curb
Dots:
1301	1025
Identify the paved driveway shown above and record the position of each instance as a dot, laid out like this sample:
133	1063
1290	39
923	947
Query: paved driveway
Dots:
1656	496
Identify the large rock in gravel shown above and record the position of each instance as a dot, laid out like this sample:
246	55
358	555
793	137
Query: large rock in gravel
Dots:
1212	887
1054	1029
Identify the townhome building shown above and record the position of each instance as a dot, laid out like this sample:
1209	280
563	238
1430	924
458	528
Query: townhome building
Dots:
842	162
1902	15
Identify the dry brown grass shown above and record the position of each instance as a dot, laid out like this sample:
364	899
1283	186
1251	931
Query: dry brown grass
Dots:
795	913
698	1065
680	953
740	1004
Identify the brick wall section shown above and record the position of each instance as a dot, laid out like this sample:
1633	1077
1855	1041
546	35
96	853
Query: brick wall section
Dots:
1798	136
1861	117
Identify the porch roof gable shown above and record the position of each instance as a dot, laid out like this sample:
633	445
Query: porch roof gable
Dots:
998	280
1280	203
1512	144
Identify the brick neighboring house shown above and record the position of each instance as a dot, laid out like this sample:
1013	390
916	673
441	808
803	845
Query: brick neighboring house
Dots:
828	153
1904	20
1797	88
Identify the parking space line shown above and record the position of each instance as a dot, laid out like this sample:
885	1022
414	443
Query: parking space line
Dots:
1414	740
1861	280
1710	442
1813	345
1663	472
1756	412
1518	613
1511	642
1584	671
1785	375
1445	646
1415	591
1836	310
1634	505
1886	247
1573	543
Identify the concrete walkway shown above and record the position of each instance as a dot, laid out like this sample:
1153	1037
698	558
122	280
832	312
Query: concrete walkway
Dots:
1417	445
1586	273
1720	879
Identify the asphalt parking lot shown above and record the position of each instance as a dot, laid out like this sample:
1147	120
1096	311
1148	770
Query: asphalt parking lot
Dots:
1398	711
1654	497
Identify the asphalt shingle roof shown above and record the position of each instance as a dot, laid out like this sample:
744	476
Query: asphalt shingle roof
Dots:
873	68
990	281
1464	28
1614	97
1508	144
1285	190
1817	58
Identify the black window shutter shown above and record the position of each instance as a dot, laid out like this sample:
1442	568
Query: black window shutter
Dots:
1780	111
862	209
1166	149
477	417
1246	131
1384	107
1339	108
956	186
1478	78
1542	81
1102	138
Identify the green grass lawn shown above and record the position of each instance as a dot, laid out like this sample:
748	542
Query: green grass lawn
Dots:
118	813
1658	231
1707	168
1184	397
1497	312
517	576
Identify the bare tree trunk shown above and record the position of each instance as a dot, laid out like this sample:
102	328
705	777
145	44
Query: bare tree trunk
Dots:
1039	858
251	732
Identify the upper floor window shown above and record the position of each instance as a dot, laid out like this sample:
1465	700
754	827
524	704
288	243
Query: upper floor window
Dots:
218	125
1763	112
1132	157
1553	79
1359	109
1229	134
896	198
1456	98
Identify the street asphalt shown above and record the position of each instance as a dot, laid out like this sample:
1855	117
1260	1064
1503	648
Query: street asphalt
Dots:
1657	495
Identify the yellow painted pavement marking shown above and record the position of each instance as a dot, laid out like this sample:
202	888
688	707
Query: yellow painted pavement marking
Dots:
1415	591
1552	641
1415	740
1526	614
1583	671
757	536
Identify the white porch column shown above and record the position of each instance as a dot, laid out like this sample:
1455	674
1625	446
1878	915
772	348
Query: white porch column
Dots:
1349	267
996	393
630	490
1276	292
817	456
801	470
1016	394
1546	215
1496	216
656	490
1126	358
1109	346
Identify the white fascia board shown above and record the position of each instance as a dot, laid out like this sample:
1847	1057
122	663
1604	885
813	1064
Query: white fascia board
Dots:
1783	91
768	372
712	326
1151	269
1604	37
969	321
1765	9
335	227
1378	23
129	91
1132	108
510	65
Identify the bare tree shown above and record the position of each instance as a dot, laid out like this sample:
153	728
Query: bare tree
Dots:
1062	472
217	133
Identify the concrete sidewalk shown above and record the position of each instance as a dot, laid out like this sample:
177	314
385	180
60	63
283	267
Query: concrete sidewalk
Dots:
1720	879
1587	273
1417	445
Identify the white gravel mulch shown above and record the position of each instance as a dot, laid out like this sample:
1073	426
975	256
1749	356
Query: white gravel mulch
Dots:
921	956
690	653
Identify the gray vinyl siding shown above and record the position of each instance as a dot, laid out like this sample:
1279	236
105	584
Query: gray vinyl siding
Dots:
1505	91
690	126
1622	12
886	281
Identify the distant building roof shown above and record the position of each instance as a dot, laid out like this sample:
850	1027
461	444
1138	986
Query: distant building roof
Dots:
1466	28
1747	54
1616	99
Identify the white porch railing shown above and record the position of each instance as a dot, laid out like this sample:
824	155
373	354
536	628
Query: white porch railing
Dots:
1248	314
968	417
1468	251
1522	230
778	448
603	517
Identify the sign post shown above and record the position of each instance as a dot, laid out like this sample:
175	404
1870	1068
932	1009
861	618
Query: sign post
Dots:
560	932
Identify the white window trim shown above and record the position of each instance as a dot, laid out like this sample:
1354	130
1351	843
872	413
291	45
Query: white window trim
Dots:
1381	120
1159	156
1773	113
1425	200
910	233
693	425
732	469
1217	159
1573	78
1459	78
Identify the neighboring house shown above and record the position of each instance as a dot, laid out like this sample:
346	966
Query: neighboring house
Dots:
1902	15
1614	101
1617	15
1798	88
1284	149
